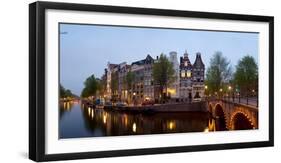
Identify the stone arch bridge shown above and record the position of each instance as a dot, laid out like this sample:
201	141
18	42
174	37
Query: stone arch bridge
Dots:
233	116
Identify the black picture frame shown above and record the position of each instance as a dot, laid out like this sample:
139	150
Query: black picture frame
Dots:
37	77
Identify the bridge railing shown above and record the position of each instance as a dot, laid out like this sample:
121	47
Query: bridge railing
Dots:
250	101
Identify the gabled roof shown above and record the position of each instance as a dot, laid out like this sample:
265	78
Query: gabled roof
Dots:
198	61
147	60
111	66
128	66
185	59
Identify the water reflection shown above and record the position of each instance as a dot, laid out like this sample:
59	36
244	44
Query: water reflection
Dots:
84	121
65	107
134	127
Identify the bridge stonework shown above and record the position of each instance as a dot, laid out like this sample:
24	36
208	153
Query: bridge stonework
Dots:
232	111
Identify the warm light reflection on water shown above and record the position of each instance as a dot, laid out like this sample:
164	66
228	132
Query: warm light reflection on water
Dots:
89	111
92	122
134	127
66	105
211	125
172	125
92	114
104	118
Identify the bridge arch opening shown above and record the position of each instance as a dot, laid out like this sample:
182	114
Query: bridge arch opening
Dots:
241	122
220	118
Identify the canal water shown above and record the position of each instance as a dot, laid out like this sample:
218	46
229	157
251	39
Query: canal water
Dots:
77	120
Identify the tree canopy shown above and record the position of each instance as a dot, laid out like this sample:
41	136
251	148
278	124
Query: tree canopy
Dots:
91	86
65	92
218	73
246	75
163	72
129	79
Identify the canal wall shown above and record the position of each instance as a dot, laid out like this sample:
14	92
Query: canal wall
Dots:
175	107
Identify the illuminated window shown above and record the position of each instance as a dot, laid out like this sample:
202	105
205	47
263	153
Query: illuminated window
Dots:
172	91
188	73
182	73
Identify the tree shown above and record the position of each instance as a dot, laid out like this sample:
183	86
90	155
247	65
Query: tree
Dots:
218	73
129	80
246	75
65	93
163	73
85	92
114	85
68	93
102	85
62	92
91	86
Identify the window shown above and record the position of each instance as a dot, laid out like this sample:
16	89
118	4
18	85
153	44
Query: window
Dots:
188	73
182	73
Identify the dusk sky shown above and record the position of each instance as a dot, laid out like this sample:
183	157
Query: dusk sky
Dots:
86	49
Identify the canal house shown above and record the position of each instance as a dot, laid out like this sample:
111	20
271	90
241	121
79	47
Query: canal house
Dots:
187	87
191	78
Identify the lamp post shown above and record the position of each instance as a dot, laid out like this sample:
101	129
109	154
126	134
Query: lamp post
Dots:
216	93
134	98
255	96
239	96
206	95
229	89
221	92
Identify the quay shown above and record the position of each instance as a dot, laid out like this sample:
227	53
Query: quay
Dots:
173	107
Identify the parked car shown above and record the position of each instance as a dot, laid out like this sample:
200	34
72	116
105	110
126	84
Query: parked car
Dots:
121	104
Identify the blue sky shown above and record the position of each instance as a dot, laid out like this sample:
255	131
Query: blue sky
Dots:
86	49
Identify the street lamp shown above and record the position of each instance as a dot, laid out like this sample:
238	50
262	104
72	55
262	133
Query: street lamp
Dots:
134	98
229	89
221	93
206	95
239	97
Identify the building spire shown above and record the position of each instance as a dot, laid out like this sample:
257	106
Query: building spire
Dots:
185	53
